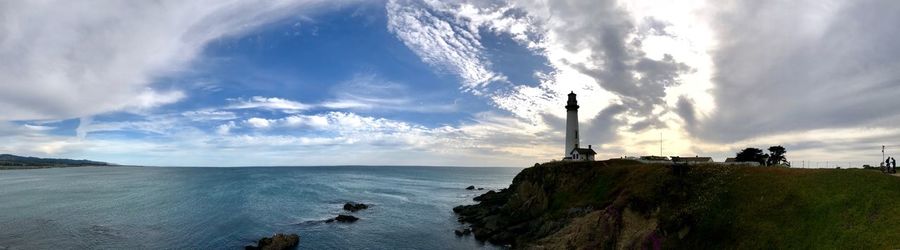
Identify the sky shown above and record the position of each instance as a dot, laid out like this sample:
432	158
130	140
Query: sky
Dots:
449	83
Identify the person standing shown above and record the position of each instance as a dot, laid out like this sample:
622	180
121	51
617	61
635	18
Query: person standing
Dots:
893	165
886	165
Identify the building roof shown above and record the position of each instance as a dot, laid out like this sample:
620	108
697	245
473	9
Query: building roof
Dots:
730	159
584	151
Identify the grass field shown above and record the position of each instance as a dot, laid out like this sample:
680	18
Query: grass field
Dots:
728	207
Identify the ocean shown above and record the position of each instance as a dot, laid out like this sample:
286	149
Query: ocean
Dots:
228	208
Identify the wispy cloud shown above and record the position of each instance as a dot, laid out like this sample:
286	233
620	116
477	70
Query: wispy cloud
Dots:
368	92
447	45
271	103
106	58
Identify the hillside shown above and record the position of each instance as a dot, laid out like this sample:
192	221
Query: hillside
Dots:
8	161
626	204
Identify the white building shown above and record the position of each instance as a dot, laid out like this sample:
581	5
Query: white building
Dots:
573	152
582	154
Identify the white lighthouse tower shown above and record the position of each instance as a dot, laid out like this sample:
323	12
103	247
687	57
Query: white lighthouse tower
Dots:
573	152
571	125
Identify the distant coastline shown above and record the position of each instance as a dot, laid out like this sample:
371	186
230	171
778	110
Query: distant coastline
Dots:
15	162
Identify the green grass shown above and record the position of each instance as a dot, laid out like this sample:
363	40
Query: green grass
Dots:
731	207
799	208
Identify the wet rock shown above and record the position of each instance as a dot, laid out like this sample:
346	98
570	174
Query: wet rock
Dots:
343	218
470	188
353	206
278	241
462	232
480	188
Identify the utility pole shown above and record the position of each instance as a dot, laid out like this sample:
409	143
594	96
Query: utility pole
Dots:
660	144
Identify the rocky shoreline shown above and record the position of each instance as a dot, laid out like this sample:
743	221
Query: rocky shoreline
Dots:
571	205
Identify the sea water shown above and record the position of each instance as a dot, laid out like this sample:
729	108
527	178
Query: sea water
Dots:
228	208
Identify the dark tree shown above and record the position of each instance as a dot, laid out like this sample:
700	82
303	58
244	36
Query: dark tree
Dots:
776	155
751	155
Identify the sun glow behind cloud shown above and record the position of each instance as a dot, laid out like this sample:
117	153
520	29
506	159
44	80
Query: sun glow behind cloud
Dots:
707	78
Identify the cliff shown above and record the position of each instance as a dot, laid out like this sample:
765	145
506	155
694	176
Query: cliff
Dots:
625	205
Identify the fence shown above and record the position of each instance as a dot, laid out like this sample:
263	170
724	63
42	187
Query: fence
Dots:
832	164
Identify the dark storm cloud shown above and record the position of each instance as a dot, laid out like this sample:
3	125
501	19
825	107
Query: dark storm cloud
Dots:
800	65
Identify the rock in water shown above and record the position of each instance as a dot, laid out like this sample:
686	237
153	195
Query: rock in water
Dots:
346	218
277	242
462	232
470	188
353	207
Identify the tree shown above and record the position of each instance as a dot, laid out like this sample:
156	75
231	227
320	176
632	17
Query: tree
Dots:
751	155
776	156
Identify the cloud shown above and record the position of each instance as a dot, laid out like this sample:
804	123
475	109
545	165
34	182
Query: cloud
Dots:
154	124
613	54
369	92
63	59
685	110
446	45
270	103
39	127
804	65
225	129
257	122
209	115
594	47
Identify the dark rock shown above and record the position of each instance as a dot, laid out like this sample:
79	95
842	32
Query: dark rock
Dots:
277	242
480	188
470	188
346	218
329	220
462	232
353	207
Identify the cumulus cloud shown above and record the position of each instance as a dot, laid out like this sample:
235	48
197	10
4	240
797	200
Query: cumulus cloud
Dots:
64	59
225	129
257	122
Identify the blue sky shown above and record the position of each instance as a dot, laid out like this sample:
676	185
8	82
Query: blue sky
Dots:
468	83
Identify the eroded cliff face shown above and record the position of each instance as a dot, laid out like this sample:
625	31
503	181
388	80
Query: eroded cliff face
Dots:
615	204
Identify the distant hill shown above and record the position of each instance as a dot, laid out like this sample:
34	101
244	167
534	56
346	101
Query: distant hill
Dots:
8	161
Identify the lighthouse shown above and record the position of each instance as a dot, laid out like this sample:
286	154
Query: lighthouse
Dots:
573	152
571	125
